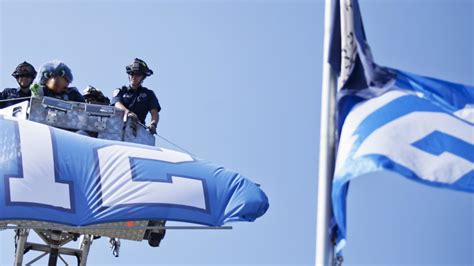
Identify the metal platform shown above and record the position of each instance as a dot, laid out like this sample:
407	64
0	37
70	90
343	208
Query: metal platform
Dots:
55	236
54	242
130	230
105	122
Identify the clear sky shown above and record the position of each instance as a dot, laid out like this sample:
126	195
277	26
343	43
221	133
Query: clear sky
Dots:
239	83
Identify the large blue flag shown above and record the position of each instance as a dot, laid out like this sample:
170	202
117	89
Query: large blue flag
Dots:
419	127
53	175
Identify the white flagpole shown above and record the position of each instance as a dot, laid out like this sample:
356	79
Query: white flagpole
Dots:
324	246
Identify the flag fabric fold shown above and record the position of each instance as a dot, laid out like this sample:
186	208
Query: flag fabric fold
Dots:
53	175
419	127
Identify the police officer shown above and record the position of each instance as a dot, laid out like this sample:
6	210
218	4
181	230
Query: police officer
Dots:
94	96
54	80
24	74
135	99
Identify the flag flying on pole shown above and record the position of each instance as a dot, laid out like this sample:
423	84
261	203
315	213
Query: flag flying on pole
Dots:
419	127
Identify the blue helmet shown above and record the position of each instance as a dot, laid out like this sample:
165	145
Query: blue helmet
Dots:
54	68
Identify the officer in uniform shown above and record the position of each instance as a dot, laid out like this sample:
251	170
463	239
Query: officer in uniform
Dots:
135	99
54	81
24	74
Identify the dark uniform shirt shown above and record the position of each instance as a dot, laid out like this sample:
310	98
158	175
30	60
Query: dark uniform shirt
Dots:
71	94
13	93
140	101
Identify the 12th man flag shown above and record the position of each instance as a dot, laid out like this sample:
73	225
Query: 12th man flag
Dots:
54	175
419	127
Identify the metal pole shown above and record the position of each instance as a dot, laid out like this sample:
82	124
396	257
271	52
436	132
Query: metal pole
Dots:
20	246
53	255
85	247
324	246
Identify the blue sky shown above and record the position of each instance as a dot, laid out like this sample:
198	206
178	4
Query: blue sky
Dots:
239	83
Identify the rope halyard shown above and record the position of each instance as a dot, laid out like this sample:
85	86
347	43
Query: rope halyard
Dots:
174	144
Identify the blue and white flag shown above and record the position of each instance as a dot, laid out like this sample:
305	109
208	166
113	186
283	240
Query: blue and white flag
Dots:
53	175
421	128
411	131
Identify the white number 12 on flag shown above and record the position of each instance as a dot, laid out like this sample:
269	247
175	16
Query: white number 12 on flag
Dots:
40	182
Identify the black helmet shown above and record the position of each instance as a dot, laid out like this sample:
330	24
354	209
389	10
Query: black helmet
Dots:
24	69
138	66
93	95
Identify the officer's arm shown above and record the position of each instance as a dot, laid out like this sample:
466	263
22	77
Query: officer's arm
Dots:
127	112
155	116
154	120
120	106
116	101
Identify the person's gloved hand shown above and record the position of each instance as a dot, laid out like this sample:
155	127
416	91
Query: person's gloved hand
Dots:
152	127
35	89
132	115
